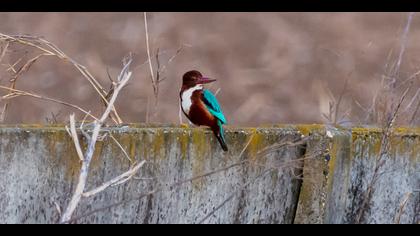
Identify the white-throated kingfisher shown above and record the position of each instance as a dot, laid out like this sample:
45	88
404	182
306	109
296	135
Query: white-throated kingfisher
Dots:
201	106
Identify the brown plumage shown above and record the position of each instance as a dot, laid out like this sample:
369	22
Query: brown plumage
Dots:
194	107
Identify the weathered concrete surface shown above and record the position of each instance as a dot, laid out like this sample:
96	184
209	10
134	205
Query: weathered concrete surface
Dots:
335	184
318	175
39	169
313	190
399	177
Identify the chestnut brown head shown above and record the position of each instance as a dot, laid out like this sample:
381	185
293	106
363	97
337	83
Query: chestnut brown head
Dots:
194	77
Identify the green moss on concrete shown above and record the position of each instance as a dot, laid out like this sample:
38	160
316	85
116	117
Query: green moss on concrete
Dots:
55	137
157	144
309	129
128	141
370	139
200	146
152	142
340	149
256	143
184	140
333	152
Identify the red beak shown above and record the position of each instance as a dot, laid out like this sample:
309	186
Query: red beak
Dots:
204	80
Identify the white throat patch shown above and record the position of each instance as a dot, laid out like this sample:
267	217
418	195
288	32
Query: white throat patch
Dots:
186	101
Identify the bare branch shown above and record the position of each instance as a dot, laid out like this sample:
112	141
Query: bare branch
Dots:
410	78
27	65
116	181
3	51
402	206
49	49
75	138
380	160
230	197
180	111
337	105
152	76
12	67
235	192
412	100
158	66
119	145
415	113
123	78
403	43
58	208
197	177
171	187
395	73
17	92
217	92
158	78
156	190
84	119
178	51
13	81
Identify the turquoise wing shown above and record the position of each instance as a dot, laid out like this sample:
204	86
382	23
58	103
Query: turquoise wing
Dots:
213	105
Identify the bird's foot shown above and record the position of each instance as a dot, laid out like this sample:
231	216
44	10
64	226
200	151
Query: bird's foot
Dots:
184	125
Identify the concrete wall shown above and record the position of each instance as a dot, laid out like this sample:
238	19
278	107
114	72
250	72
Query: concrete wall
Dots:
287	174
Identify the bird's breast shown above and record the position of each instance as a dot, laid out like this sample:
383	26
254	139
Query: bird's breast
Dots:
186	98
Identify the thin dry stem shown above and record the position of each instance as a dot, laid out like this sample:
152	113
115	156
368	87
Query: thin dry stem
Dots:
413	99
176	184
17	92
123	78
403	44
179	111
402	206
156	190
3	51
159	189
13	81
115	181
413	118
232	195
152	76
120	147
49	49
75	138
380	161
340	98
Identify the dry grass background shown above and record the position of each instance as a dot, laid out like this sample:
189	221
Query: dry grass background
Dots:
271	67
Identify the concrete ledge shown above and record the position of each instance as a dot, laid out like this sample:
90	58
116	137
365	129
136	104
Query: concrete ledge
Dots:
321	180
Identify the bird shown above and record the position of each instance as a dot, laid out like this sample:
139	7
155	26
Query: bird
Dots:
200	106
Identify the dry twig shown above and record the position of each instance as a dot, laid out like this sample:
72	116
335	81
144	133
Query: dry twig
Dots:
75	137
180	183
16	93
380	161
49	49
402	206
115	181
123	78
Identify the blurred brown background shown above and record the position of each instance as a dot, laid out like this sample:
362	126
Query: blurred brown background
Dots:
271	67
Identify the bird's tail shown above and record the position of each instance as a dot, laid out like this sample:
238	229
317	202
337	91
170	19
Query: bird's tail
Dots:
221	136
